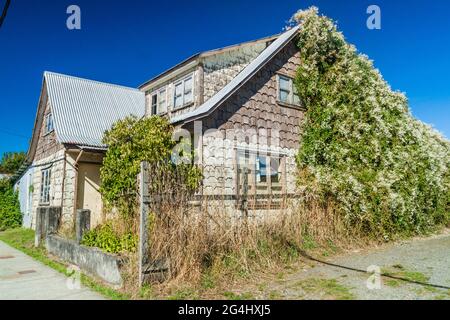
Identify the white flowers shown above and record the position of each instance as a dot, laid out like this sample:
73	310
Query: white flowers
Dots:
361	144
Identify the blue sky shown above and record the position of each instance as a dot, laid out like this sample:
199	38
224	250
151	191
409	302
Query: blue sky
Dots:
128	42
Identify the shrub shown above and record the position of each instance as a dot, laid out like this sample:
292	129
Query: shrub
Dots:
10	215
131	141
106	238
387	173
11	162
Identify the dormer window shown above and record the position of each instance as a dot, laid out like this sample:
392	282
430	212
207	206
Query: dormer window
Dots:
287	92
48	123
183	93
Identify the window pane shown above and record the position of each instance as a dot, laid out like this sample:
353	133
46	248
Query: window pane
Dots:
285	83
275	171
188	84
154	103
188	97
162	102
179	89
284	96
45	186
261	167
178	101
48	123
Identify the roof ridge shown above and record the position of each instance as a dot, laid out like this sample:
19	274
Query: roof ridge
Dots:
240	79
90	80
210	52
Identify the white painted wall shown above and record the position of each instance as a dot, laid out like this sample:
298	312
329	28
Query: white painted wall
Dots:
24	187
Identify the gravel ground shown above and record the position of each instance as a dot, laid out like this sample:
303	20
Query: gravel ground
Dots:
416	270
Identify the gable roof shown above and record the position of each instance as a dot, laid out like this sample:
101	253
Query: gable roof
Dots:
193	60
245	75
84	109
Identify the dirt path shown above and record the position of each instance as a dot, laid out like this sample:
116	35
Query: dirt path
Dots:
416	269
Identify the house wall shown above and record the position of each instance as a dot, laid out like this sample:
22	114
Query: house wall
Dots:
87	184
169	84
255	117
48	143
51	154
211	74
22	186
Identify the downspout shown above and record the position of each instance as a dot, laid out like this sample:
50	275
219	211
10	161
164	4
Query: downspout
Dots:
75	200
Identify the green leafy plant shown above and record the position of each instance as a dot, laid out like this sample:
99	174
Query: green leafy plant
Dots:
107	239
131	141
386	172
10	215
11	162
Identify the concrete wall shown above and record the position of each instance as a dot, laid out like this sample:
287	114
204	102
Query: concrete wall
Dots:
91	260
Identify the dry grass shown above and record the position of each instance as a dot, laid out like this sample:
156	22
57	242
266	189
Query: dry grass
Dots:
207	247
210	245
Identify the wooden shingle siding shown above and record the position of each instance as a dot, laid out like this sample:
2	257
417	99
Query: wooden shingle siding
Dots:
255	106
47	144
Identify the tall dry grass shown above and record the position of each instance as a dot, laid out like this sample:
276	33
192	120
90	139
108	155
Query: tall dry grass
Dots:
208	238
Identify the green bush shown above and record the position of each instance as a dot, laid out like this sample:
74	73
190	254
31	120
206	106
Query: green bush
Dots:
107	239
10	215
387	173
131	141
11	162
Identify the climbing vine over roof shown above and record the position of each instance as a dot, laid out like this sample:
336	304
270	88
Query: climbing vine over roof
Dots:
387	172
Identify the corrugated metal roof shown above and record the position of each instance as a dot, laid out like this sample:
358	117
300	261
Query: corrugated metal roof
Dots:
84	109
240	79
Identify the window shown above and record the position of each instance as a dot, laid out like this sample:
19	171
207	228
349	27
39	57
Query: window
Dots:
154	104
183	93
158	102
264	173
45	186
287	92
48	123
162	101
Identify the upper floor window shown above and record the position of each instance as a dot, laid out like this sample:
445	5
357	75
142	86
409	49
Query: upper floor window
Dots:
287	92
48	123
159	102
183	92
45	186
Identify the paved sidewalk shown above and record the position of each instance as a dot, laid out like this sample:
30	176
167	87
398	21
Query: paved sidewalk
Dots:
23	278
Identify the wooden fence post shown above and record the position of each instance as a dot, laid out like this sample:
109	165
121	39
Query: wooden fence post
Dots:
143	220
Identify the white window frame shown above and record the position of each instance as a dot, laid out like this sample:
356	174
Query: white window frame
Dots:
153	112
44	196
158	95
182	82
49	124
159	106
292	91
